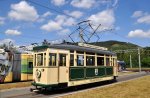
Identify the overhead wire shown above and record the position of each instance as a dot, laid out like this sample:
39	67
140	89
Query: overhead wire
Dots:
52	9
124	37
60	12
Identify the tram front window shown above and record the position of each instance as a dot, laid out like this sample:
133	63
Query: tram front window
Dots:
40	59
62	59
52	59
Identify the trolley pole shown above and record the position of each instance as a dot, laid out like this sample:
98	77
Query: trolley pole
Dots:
130	61
81	35
139	59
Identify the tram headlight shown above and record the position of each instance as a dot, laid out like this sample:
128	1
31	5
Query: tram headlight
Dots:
38	74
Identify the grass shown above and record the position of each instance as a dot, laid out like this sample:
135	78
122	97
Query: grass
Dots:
137	88
14	85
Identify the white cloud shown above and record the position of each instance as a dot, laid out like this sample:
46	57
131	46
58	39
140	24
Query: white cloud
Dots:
137	14
6	41
83	3
139	33
51	26
142	17
58	23
43	17
2	20
75	14
46	14
64	32
105	18
115	3
58	2
108	3
60	19
69	22
12	32
64	20
23	11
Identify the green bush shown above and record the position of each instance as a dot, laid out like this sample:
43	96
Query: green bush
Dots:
146	62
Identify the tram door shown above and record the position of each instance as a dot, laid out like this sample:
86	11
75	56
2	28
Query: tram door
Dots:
62	67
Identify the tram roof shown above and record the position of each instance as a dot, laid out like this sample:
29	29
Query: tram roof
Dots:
74	47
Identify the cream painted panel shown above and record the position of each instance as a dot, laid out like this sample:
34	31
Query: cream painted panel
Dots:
43	77
52	75
63	73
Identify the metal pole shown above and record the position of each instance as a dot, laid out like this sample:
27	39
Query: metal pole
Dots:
130	61
139	59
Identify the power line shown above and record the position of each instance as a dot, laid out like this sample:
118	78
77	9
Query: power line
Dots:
124	37
61	12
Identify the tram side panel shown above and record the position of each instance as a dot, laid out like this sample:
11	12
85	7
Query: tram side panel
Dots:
84	75
16	67
26	67
89	74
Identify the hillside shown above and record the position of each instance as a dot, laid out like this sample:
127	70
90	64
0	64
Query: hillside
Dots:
116	45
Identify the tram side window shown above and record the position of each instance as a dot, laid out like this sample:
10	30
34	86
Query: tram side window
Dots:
114	62
62	59
90	60
100	61
52	59
107	62
30	65
40	59
35	60
71	60
80	60
45	59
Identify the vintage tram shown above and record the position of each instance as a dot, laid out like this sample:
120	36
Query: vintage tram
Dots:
66	65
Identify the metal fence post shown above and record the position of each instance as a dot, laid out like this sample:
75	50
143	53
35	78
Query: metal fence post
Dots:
139	59
130	61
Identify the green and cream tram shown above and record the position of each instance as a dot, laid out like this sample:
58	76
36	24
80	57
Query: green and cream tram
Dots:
65	65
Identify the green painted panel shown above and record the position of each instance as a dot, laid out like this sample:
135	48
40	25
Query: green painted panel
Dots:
40	47
109	70
90	72
23	61
76	73
101	71
25	67
29	71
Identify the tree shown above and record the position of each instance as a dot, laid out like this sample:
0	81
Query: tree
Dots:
146	62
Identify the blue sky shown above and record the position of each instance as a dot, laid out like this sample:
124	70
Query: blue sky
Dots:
24	22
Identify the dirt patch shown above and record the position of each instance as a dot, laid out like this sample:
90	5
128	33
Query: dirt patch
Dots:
14	85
